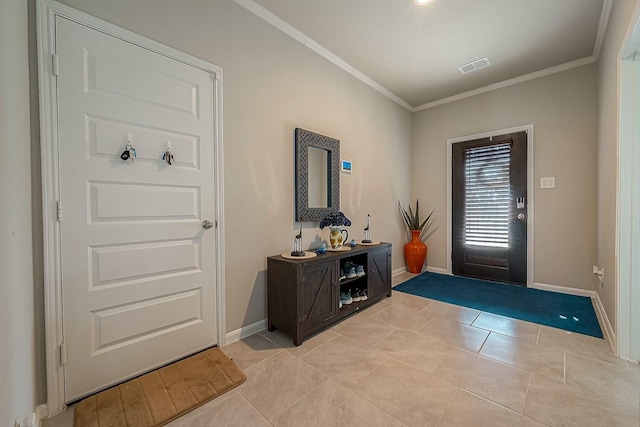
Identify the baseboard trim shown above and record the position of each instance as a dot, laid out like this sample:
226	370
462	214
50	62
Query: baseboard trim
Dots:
402	270
42	412
398	271
564	290
604	321
436	270
246	331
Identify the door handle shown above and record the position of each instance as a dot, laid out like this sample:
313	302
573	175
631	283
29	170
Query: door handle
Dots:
207	224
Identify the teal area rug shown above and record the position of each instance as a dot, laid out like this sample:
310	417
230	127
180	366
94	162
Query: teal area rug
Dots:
568	312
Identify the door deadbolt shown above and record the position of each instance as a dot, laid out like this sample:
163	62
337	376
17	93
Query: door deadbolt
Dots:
207	224
521	216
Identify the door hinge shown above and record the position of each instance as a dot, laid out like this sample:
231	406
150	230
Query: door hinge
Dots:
63	353
55	62
59	210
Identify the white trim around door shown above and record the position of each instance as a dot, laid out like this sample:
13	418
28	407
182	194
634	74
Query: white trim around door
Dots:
530	191
47	11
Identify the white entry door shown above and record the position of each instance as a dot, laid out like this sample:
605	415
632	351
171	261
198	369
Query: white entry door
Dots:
138	265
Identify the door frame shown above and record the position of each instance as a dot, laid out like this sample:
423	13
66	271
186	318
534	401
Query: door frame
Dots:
627	275
530	191
47	11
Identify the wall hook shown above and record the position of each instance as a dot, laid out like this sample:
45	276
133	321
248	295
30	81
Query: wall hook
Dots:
167	156
129	152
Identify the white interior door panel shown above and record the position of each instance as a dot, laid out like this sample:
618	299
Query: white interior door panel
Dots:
138	270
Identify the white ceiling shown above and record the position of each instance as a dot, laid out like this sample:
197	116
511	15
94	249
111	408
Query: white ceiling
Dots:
412	53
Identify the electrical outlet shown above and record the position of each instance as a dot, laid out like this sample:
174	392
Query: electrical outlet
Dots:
599	273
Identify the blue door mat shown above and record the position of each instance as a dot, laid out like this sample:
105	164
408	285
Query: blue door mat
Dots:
568	312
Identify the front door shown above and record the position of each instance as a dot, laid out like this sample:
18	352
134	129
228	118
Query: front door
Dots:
489	208
138	265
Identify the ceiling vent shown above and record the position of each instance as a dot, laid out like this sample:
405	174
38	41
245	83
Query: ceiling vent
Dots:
473	66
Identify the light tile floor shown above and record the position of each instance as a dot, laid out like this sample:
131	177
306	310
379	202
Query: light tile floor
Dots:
410	361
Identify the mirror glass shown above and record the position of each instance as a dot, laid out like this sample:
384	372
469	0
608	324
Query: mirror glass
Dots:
318	185
317	175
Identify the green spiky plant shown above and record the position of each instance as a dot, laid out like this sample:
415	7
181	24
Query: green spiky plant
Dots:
413	219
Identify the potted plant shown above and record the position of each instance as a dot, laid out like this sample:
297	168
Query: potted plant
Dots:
334	221
415	251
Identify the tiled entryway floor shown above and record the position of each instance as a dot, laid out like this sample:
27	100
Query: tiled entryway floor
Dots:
413	361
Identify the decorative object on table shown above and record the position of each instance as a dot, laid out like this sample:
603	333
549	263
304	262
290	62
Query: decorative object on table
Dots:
322	249
307	255
297	244
415	251
342	248
353	243
334	221
366	237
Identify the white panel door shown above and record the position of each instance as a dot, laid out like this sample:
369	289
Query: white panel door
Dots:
138	279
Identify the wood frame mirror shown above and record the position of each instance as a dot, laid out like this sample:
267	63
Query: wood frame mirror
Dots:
317	174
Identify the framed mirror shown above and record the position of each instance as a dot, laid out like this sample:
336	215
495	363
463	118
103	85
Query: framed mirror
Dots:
317	175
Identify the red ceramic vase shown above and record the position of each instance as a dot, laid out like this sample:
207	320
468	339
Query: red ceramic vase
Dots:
415	252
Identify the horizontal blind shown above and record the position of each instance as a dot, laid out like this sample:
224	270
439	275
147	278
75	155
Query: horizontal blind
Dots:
487	195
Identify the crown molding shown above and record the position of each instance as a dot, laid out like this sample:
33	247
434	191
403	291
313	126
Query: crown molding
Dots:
301	37
521	79
298	35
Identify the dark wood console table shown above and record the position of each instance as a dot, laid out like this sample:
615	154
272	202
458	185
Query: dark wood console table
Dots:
303	295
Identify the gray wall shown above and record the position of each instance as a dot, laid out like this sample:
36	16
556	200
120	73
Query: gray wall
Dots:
562	108
17	315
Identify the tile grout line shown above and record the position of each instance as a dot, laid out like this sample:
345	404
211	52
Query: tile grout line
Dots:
448	406
255	409
484	342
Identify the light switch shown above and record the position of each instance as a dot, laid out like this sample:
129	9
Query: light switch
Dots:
548	182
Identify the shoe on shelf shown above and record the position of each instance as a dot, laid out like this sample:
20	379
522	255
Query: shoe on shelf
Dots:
355	295
360	271
345	298
363	295
339	303
342	275
350	270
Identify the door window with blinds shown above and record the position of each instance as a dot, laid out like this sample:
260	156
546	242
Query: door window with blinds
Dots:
487	195
489	229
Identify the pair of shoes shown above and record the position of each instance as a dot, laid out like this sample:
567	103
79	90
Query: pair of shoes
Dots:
345	298
343	276
358	295
353	270
350	270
